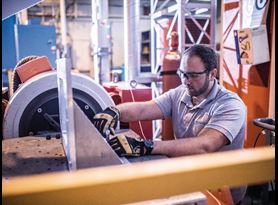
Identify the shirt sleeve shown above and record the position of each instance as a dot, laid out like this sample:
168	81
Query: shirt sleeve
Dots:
165	104
228	118
168	100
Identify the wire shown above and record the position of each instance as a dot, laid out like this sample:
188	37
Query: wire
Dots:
271	182
140	125
258	137
218	202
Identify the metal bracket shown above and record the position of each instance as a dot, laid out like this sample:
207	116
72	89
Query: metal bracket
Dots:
83	144
92	150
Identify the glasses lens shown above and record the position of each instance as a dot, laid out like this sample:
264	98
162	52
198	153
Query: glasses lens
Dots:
193	75
190	75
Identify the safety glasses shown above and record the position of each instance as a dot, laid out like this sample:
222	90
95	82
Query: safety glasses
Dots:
191	75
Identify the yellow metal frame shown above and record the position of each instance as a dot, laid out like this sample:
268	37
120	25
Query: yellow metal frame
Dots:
143	181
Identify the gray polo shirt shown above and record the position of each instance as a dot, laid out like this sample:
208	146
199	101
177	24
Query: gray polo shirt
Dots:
222	110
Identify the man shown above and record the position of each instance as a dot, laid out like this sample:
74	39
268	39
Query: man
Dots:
206	117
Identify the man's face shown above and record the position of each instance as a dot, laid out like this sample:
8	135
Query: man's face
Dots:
194	75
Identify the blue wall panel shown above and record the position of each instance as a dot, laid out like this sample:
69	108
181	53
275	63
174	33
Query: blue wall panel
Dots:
19	41
8	43
8	47
36	40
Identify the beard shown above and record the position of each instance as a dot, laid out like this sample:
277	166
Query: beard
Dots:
192	92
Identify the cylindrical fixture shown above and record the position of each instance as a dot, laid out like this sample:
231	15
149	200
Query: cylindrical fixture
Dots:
181	22
99	41
170	65
131	36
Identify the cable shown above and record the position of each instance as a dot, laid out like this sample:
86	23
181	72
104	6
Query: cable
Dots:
218	202
271	182
140	125
258	138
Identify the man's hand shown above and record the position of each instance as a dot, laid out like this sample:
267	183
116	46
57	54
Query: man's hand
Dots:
106	121
126	146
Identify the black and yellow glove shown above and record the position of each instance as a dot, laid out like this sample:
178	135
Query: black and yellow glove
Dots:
106	121
126	146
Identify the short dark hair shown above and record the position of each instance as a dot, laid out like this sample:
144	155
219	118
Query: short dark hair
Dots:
205	53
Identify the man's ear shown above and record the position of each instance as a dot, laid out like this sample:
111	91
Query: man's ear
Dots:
213	74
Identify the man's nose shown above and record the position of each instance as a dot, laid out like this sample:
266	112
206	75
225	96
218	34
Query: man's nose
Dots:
187	81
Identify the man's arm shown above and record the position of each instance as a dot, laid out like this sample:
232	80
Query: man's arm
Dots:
135	111
209	140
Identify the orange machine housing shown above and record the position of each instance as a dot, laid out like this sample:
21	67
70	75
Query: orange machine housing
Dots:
122	92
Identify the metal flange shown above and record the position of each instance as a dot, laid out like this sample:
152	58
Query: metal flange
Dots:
37	99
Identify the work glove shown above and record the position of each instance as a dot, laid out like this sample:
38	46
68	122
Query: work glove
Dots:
126	146
106	121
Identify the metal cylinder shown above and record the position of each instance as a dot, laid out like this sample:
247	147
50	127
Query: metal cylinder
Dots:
101	44
63	28
170	79
131	36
